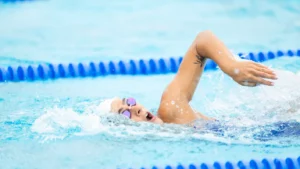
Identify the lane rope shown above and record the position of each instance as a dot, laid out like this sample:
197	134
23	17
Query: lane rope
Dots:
265	163
122	67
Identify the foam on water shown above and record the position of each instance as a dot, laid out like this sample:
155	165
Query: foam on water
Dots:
244	113
69	124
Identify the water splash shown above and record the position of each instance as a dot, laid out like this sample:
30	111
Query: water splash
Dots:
246	116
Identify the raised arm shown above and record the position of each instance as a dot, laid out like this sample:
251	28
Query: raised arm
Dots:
246	73
175	106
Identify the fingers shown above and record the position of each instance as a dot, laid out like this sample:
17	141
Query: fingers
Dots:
249	84
254	74
261	81
264	69
260	65
263	74
267	71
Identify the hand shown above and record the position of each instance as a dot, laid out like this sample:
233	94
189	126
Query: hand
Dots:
249	73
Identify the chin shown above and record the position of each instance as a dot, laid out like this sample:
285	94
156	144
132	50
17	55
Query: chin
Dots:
158	121
153	119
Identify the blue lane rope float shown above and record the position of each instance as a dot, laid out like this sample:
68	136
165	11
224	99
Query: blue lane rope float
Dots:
131	67
276	163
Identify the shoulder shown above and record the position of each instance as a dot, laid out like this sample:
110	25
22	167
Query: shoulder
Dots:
165	110
175	109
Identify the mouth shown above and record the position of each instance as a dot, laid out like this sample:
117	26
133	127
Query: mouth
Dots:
149	116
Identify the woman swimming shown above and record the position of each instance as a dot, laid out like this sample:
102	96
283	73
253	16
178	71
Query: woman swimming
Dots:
181	89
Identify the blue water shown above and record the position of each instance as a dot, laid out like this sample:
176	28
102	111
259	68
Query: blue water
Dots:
59	124
64	31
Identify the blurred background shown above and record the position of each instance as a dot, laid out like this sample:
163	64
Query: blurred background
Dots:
74	30
58	124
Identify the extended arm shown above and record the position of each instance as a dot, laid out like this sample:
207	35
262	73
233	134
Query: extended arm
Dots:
181	89
209	46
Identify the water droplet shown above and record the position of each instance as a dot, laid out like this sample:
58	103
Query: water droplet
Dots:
172	102
236	71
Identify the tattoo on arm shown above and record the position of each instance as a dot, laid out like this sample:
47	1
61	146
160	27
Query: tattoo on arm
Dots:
200	60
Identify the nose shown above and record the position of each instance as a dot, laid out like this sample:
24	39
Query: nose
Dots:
126	107
132	109
135	110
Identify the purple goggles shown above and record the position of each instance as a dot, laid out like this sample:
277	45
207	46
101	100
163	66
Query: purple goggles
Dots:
129	102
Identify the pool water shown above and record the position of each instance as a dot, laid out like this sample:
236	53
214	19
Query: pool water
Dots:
73	30
61	123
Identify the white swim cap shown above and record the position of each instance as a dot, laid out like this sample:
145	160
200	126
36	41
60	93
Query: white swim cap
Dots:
105	106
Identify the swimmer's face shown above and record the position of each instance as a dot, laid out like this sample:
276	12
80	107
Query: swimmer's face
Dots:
135	112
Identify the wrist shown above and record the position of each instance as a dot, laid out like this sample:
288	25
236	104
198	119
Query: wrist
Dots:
228	67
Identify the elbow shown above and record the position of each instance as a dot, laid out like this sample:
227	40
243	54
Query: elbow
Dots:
205	33
204	37
202	41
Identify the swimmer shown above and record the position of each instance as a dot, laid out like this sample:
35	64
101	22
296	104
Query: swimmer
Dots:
174	104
